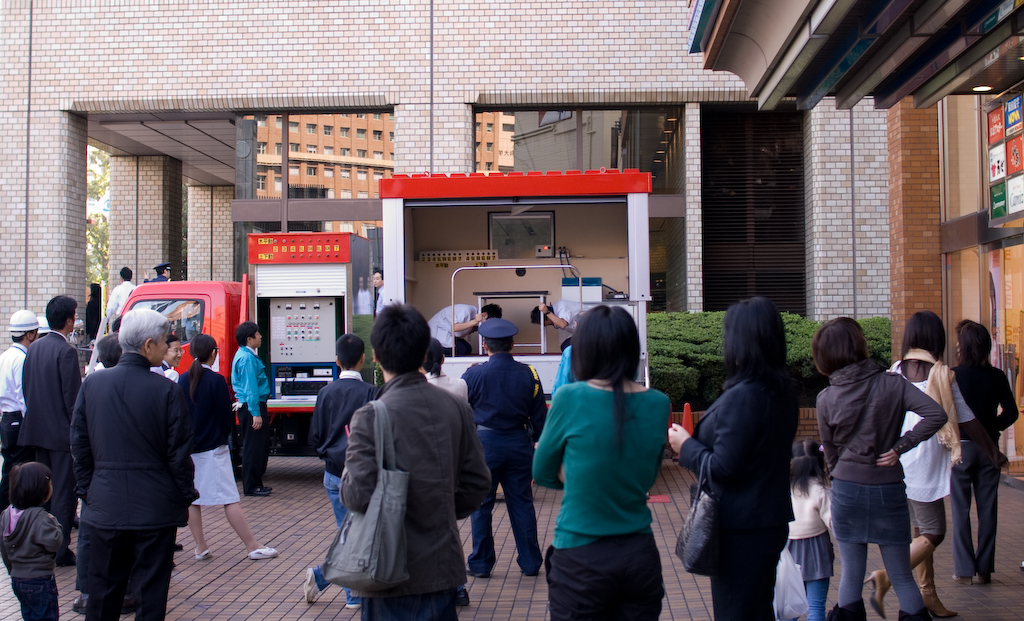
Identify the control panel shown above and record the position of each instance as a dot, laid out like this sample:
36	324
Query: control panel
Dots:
302	330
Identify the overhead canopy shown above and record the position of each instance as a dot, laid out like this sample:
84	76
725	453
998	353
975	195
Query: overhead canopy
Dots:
851	49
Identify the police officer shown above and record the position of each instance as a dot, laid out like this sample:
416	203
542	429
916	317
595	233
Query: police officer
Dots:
160	276
24	328
509	410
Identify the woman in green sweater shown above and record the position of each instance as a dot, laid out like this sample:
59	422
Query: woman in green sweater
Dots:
602	444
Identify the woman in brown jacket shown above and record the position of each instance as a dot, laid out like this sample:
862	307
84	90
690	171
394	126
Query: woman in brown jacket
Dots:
860	415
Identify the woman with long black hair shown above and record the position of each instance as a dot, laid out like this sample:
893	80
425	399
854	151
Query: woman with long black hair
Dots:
602	444
206	393
747	435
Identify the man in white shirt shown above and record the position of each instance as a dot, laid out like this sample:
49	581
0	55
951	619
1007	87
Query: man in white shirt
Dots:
467	320
563	315
24	328
120	294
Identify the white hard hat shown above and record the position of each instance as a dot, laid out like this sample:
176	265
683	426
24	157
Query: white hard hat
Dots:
44	328
23	321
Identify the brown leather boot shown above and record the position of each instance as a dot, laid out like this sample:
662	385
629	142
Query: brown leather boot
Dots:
920	549
926	582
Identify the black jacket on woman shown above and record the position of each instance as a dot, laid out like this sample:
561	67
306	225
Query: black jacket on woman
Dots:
749	431
131	437
211	410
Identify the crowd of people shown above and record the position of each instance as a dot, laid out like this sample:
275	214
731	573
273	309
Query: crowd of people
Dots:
145	450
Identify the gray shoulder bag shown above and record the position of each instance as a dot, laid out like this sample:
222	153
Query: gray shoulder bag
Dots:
368	553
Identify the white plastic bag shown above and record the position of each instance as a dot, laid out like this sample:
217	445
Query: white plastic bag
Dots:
790	596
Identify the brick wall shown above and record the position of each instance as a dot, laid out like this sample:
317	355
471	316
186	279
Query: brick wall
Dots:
914	185
694	211
201	232
158	205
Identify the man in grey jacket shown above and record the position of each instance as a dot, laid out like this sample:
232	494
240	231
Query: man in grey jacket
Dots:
437	444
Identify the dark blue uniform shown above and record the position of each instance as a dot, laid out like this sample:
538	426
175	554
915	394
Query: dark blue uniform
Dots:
509	410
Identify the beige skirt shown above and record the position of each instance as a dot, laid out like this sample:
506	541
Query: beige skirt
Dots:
214	477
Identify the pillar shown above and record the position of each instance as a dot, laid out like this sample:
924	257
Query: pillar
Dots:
694	210
210	233
145	215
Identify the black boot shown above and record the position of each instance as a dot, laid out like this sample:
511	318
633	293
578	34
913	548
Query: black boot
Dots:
128	605
921	615
850	612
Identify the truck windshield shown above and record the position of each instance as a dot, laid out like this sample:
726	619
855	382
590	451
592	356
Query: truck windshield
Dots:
186	316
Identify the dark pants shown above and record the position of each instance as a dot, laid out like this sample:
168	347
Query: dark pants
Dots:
436	606
745	587
114	553
462	348
63	504
38	597
84	552
613	578
255	449
978	472
13	454
510	458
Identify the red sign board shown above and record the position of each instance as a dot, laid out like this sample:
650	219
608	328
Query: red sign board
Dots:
1014	155
995	125
299	248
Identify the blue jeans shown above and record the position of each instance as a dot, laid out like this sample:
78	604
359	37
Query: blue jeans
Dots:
509	456
38	597
816	590
333	486
436	606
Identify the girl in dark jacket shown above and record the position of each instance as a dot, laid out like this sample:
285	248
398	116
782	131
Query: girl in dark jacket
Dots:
860	415
206	393
747	434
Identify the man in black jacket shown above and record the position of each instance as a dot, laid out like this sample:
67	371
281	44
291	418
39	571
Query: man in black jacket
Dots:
328	432
51	382
131	437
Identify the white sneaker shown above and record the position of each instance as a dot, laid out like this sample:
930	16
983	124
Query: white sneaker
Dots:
205	555
310	588
262	553
355	606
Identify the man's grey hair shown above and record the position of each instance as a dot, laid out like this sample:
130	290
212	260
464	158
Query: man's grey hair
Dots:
139	326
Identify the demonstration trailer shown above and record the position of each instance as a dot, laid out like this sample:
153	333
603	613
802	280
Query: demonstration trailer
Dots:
519	239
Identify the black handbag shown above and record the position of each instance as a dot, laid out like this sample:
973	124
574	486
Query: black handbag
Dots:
698	539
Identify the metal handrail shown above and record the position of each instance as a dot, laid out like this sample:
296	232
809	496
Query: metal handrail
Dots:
579	281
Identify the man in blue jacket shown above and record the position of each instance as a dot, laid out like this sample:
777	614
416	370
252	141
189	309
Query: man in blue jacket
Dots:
252	389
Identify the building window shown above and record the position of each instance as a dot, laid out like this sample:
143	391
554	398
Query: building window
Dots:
310	171
378	175
261	147
360	116
345	193
293	170
261	121
490	127
328	150
277	184
361	133
293	126
478	146
345	151
489	147
360	152
328	129
378	134
391	155
310	148
345	172
376	116
293	147
343	132
361	174
278	122
378	155
391	136
391	116
508	127
364	195
476	126
310	128
277	148
490	165
330	192
261	182
328	171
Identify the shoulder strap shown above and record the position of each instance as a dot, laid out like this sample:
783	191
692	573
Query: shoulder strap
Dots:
860	417
384	440
536	380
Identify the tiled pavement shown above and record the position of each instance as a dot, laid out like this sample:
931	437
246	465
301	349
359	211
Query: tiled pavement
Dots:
297	520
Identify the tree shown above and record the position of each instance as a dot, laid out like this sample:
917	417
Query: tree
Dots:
97	230
99	173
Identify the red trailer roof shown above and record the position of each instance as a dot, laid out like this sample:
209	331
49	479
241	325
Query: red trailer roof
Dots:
480	185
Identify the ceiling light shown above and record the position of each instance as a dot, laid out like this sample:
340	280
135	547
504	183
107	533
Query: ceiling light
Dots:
673	119
660	151
981	89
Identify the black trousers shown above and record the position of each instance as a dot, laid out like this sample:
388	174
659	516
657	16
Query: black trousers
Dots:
976	472
255	449
112	560
614	578
745	587
63	504
13	454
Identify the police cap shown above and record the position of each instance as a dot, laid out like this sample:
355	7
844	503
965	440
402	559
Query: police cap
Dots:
498	329
162	267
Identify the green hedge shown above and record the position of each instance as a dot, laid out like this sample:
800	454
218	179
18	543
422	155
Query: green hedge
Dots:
686	354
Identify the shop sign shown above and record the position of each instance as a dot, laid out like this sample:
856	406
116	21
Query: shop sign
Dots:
997	204
1014	122
995	125
1015	194
996	163
1015	155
